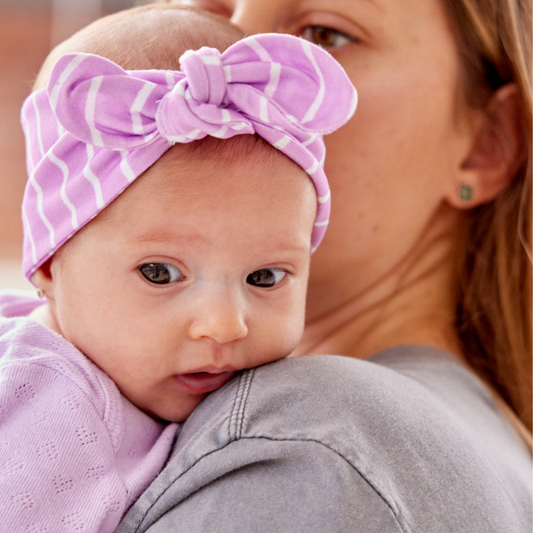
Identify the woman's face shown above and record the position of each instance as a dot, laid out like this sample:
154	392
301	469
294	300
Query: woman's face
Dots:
391	165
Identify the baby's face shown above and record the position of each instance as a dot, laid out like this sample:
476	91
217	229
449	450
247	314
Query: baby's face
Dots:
198	271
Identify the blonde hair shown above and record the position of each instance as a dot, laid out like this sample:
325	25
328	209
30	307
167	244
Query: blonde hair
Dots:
494	305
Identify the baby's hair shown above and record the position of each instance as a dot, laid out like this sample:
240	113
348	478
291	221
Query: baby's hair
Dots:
147	37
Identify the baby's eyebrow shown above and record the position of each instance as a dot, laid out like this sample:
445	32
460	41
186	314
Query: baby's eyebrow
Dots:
176	237
168	236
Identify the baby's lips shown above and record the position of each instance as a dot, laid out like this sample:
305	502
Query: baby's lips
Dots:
203	382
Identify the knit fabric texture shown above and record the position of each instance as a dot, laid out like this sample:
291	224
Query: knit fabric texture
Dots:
74	452
97	127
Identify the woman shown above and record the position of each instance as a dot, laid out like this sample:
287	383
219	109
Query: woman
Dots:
422	283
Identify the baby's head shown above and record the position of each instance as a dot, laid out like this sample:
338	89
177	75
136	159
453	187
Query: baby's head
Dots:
198	269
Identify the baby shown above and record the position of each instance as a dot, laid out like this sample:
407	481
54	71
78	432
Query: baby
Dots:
156	291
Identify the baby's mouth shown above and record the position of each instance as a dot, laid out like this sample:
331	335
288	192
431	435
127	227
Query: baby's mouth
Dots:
203	382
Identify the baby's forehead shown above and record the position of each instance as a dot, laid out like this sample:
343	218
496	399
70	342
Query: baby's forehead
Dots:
240	170
245	180
239	211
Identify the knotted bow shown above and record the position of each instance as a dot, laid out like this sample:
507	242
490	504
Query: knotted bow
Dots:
98	124
214	94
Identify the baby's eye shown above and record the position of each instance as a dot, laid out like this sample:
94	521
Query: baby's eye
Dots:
326	37
266	277
160	273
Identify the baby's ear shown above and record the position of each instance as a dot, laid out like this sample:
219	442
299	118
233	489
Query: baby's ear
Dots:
497	150
43	279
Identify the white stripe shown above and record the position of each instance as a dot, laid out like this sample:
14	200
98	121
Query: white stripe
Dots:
92	179
227	71
28	143
239	126
28	231
309	141
40	209
320	224
182	138
63	193
226	117
292	118
325	198
210	60
353	105
125	167
38	125
263	110
173	139
54	94
170	80
282	143
60	130
148	138
220	133
313	169
312	111
90	107
256	47
186	54
275	69
137	106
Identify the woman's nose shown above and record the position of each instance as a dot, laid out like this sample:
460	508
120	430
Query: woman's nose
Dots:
254	16
220	320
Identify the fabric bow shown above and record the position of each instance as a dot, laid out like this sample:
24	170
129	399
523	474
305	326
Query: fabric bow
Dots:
97	127
272	80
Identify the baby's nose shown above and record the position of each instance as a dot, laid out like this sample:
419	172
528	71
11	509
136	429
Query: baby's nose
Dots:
220	319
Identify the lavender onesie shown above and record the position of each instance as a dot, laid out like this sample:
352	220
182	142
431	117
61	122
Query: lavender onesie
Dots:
74	452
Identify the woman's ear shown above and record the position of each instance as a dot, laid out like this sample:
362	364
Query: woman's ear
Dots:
497	150
43	279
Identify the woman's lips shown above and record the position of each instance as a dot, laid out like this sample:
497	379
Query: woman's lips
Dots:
202	382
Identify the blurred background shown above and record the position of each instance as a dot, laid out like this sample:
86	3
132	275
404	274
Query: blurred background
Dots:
28	31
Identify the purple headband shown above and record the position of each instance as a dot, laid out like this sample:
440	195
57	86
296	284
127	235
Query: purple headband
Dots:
97	127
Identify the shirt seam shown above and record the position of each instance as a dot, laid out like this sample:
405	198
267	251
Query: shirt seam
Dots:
403	529
236	420
242	396
398	519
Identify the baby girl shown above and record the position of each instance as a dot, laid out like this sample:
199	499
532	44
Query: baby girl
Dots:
169	218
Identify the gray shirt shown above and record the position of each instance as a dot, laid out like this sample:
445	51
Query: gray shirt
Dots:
407	441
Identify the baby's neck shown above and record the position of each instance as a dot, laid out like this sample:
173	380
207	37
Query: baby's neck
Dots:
44	316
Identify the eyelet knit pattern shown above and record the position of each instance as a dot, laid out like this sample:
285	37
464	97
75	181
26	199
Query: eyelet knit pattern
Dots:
74	453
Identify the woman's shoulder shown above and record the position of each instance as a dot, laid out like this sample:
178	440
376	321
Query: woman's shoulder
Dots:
410	435
410	393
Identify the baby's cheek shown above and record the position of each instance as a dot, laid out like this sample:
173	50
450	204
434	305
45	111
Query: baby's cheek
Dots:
290	333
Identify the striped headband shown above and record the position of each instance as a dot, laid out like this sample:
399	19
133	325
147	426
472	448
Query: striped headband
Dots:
97	127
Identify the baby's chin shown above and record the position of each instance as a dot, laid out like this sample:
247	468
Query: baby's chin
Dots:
178	412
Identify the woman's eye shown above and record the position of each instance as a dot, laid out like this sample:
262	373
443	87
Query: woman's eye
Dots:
326	37
160	273
266	277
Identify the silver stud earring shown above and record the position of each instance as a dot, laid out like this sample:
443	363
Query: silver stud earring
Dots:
466	192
